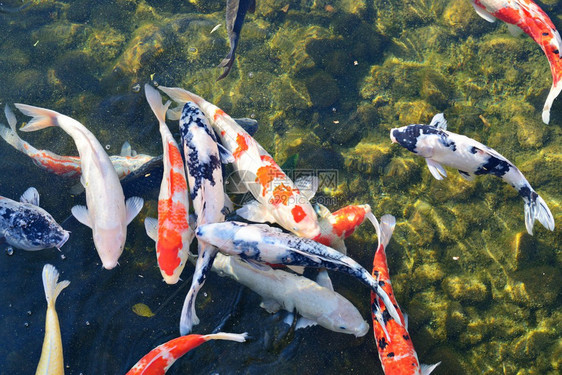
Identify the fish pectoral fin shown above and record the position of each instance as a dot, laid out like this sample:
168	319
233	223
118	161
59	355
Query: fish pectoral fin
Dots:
256	212
483	13
303	322
133	206
257	265
467	176
436	169
30	196
514	30
439	121
126	149
296	269
77	189
321	210
151	227
428	369
270	305
307	185
339	245
323	279
82	215
225	155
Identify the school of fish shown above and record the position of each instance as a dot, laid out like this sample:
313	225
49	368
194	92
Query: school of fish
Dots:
266	258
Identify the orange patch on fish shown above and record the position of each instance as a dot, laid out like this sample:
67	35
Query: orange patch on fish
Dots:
281	195
345	220
242	146
218	113
298	213
174	223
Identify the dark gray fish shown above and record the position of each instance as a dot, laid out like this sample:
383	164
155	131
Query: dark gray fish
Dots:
5	9
235	13
27	226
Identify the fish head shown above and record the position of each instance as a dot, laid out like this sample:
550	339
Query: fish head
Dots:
344	318
109	243
35	229
419	139
302	220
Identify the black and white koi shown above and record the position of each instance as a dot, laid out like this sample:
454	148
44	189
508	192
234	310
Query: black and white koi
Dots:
471	158
204	174
260	243
27	226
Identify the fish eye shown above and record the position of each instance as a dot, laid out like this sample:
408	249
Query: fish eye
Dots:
342	327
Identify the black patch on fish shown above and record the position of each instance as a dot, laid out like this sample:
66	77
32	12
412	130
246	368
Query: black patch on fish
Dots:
386	316
495	166
474	150
390	355
528	193
382	343
406	337
381	283
408	136
6	213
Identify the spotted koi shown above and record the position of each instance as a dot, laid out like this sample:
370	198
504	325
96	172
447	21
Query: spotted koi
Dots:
277	197
394	344
161	358
530	18
171	231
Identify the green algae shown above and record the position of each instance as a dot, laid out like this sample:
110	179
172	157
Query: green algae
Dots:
327	80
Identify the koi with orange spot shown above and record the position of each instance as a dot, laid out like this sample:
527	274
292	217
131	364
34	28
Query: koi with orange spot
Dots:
530	18
297	215
394	344
171	230
337	226
161	358
68	166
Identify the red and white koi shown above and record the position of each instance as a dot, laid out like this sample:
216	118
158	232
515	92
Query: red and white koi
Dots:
394	344
171	231
277	198
106	211
161	358
337	226
260	243
68	166
530	18
204	174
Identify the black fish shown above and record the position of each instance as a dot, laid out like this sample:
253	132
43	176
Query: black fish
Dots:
235	13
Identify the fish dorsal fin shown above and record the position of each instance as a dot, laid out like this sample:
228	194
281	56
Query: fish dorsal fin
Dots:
427	369
405	320
322	211
225	155
303	322
483	13
439	121
133	206
11	117
375	222
467	176
436	169
323	279
307	185
126	149
151	227
30	196
256	212
82	215
388	222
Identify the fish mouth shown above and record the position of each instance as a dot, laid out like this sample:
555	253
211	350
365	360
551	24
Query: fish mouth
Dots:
65	238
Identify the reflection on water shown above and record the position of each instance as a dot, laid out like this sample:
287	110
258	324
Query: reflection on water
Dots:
326	81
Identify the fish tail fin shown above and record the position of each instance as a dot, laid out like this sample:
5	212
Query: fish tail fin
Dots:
387	224
369	215
554	92
226	63
9	134
51	285
154	99
239	337
536	209
42	117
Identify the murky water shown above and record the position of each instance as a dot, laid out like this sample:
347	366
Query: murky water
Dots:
326	81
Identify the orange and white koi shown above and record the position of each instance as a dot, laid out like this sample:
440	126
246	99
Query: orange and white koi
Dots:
51	362
530	18
171	231
161	358
106	211
394	345
277	198
68	166
336	226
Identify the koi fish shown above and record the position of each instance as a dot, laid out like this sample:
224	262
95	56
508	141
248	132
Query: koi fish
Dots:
530	18
394	345
106	211
68	166
27	226
51	362
161	358
235	14
204	173
171	231
277	197
471	158
337	226
260	243
316	303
